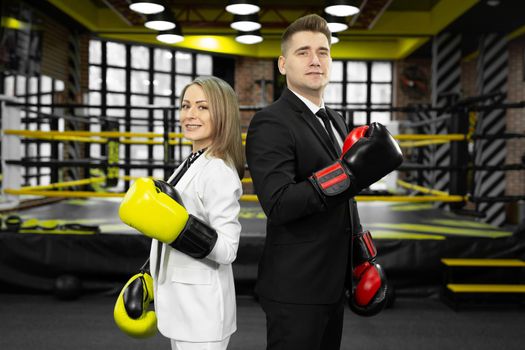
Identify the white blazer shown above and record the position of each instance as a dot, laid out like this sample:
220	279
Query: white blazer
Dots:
195	298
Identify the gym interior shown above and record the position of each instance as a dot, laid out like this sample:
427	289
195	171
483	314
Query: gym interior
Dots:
90	100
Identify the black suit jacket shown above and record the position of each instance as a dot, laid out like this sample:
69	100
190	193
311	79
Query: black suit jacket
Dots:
307	243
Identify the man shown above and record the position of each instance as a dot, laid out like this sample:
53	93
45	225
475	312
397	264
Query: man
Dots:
305	186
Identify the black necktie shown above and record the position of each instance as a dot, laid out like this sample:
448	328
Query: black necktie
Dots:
187	163
326	121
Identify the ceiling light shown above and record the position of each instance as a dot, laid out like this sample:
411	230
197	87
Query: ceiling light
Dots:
160	21
342	8
146	7
246	23
249	38
171	36
334	39
336	24
243	7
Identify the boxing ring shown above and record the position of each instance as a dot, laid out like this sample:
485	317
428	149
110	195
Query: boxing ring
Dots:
69	234
411	239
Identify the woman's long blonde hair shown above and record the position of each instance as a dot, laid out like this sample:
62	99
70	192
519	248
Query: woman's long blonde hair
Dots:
226	121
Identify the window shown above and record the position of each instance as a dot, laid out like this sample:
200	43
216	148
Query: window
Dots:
358	86
137	76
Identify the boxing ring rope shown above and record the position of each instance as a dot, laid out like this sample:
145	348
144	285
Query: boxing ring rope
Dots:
176	139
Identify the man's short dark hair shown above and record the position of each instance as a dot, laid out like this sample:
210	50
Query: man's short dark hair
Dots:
309	23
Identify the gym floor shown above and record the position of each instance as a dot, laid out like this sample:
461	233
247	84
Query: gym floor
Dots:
45	323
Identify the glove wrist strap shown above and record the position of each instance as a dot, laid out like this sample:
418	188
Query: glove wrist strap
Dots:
364	248
197	239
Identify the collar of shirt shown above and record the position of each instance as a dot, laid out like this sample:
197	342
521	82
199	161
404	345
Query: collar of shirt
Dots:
311	106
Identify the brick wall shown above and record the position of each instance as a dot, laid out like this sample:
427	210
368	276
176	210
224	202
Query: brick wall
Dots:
55	54
468	78
247	72
403	96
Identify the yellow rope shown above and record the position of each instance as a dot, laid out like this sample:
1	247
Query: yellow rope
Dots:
173	135
413	137
421	143
64	184
420	188
245	198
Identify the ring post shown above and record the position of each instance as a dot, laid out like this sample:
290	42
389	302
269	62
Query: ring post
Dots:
11	148
459	157
112	153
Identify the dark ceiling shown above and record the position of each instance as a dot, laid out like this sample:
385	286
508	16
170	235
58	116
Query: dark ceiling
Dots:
504	16
384	29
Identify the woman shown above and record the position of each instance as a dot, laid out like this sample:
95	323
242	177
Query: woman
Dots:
195	298
193	285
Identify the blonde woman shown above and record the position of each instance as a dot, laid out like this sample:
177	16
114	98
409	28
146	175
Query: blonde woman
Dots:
194	293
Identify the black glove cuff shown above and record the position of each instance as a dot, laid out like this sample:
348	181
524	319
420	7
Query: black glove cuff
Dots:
197	239
364	248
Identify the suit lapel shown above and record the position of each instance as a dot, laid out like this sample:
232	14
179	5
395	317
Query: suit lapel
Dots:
311	120
184	181
194	169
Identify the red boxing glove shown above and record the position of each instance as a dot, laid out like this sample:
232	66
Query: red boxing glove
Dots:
368	294
369	153
353	137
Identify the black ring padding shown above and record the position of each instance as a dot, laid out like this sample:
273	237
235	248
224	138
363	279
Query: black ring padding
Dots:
504	167
42	115
86	163
480	199
507	135
83	105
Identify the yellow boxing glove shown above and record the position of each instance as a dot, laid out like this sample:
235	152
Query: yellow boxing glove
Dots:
131	309
151	212
155	209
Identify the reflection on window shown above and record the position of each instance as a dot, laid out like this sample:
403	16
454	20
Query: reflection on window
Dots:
356	93
381	117
116	79
381	93
163	60
33	85
59	85
162	85
95	52
21	88
116	54
356	71
204	65
381	72
139	82
94	100
9	86
337	71
46	84
333	93
183	62
115	100
95	80
139	57
180	82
